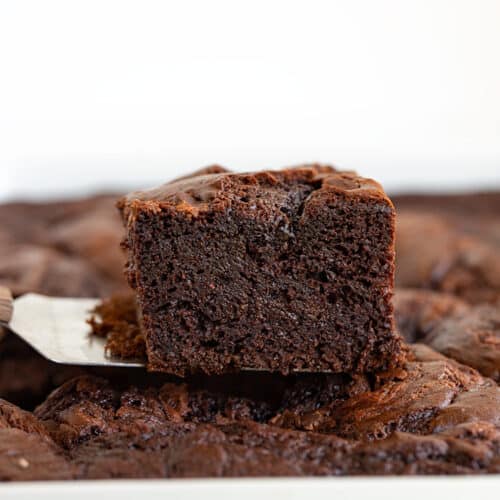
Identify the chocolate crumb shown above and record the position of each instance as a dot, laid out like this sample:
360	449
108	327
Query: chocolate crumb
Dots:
116	320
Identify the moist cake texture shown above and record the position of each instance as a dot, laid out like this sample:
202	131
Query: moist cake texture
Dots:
279	270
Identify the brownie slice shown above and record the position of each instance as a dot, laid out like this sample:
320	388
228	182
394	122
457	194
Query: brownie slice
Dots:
279	270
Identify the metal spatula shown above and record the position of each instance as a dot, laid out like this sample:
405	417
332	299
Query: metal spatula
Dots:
57	328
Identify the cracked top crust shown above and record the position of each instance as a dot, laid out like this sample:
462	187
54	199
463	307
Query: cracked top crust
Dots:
203	192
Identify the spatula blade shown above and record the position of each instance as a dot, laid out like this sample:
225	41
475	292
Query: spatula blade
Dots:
57	329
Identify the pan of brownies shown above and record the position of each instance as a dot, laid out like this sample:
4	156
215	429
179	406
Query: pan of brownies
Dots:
297	323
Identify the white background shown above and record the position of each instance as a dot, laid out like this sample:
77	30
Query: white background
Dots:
100	94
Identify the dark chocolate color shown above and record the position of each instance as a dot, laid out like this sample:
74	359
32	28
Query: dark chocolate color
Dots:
279	270
432	416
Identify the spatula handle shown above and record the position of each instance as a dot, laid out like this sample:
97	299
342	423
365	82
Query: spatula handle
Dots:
6	305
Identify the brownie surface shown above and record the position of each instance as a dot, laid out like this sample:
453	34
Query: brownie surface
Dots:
280	270
472	338
68	248
418	311
452	260
431	416
468	333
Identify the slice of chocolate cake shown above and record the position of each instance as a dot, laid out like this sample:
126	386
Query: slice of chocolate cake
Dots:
278	270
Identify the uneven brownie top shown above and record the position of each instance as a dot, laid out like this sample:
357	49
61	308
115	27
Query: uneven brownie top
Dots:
434	415
198	193
429	394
